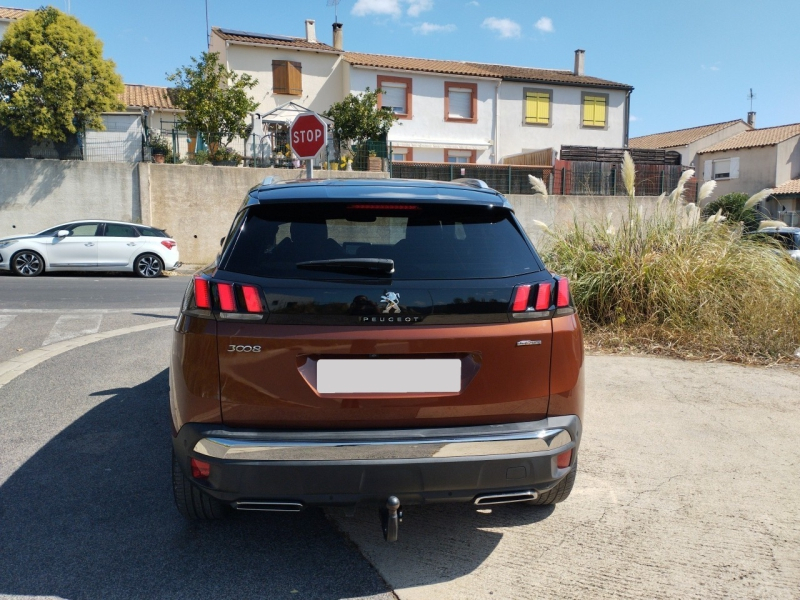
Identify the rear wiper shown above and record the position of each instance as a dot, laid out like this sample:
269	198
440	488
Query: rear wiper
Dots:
382	265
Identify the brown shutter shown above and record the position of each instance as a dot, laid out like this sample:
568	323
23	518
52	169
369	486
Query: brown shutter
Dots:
296	78
280	77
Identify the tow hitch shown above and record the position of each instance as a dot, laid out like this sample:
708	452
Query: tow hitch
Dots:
391	517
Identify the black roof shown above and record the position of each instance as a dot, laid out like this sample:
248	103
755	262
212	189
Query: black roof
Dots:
378	190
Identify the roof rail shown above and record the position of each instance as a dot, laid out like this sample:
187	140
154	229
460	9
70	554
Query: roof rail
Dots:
270	179
472	182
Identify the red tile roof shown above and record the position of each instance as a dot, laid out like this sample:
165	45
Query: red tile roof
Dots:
12	14
756	138
271	40
679	137
790	187
146	96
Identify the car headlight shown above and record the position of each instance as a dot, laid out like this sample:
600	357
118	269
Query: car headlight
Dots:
7	243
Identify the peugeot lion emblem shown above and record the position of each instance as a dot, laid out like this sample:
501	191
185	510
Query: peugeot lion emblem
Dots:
392	301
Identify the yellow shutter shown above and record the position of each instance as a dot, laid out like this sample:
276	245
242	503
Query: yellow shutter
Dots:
594	111
537	107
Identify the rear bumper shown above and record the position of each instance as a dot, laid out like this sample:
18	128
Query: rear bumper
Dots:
366	467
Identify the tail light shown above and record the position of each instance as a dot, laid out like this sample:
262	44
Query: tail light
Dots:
564	459
536	301
232	300
169	244
200	469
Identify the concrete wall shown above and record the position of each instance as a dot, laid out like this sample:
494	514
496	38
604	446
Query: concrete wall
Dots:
427	124
37	194
559	211
565	127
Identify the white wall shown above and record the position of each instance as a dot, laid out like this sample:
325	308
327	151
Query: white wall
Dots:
120	142
788	160
3	26
565	120
322	74
427	123
757	167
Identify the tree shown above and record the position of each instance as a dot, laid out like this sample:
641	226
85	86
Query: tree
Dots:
734	210
54	80
358	119
215	99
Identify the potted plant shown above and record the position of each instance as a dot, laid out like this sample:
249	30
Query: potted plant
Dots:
159	147
223	156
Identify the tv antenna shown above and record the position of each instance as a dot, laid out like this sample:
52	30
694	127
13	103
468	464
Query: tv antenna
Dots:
335	5
751	96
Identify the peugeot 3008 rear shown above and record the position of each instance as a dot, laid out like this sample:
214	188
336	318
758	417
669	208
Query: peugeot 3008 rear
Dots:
364	341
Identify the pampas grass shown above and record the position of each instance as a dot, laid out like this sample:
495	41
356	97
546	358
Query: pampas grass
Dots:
538	186
765	224
670	282
756	198
628	174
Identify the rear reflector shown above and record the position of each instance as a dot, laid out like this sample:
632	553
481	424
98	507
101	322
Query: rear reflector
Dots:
521	298
202	293
563	459
227	301
543	297
562	300
169	244
252	299
200	469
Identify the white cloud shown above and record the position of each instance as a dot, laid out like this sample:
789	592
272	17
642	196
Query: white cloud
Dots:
710	68
427	28
634	118
505	27
415	7
363	8
545	24
473	3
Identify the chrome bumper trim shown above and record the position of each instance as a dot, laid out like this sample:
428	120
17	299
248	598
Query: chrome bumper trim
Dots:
543	440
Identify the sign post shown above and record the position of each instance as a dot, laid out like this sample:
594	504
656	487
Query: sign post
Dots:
308	135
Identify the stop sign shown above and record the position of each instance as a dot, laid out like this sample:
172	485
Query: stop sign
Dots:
308	135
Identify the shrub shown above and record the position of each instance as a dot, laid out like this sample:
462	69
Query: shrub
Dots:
733	208
672	282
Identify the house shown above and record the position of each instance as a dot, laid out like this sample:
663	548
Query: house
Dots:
448	111
7	15
689	141
752	161
787	200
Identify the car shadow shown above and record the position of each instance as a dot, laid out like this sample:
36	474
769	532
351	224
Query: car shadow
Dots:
91	515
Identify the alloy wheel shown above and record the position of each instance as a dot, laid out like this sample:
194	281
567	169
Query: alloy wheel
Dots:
148	266
27	263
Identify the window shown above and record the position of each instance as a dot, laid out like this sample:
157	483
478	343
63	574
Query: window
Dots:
287	77
537	107
433	241
396	95
82	229
459	156
151	232
723	168
594	110
460	102
402	154
117	230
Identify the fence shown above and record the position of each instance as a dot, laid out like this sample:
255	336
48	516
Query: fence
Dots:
506	179
590	178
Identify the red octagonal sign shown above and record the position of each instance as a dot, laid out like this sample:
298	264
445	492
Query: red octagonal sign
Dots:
308	135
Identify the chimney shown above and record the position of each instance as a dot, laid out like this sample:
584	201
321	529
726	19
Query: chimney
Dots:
751	119
311	32
579	56
338	42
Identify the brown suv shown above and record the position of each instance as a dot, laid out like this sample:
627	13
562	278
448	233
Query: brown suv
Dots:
374	342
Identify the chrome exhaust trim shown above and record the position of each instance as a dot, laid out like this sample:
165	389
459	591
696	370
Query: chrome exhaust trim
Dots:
506	498
269	506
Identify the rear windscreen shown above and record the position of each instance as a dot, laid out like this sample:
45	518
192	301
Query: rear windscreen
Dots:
425	241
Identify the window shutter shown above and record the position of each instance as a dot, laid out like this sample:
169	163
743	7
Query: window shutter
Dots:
594	111
280	77
394	97
735	168
537	108
295	78
460	103
707	174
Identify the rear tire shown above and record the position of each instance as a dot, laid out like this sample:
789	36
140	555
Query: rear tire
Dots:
148	266
27	263
559	493
192	502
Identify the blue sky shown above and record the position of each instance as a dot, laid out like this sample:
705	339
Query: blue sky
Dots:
692	62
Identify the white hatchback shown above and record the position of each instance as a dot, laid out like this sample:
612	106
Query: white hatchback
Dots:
91	246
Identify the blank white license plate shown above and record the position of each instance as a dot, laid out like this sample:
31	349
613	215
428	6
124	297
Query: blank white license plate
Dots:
388	376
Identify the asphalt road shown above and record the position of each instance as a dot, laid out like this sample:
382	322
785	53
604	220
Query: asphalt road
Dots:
687	485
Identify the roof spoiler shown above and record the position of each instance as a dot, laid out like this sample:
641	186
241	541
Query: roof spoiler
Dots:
472	182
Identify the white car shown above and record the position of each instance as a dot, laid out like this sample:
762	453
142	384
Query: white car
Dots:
90	245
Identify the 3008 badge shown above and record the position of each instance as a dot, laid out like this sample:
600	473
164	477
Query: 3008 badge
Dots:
235	348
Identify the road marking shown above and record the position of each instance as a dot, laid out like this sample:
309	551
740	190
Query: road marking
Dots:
5	320
72	326
15	367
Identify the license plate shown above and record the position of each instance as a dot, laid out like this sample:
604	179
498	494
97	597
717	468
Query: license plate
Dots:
388	376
